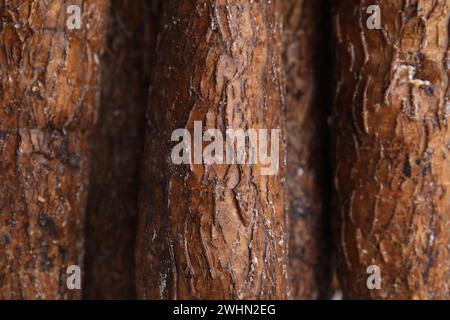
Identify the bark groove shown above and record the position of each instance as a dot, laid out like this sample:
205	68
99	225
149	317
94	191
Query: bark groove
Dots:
118	141
305	49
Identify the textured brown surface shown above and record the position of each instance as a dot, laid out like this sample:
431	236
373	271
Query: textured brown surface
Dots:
48	78
117	151
303	50
49	73
392	143
213	231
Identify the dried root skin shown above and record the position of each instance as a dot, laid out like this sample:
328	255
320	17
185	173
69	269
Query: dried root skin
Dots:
48	78
392	143
214	231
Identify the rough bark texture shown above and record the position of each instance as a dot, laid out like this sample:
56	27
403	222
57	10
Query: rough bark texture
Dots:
304	51
48	78
118	142
213	231
392	148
